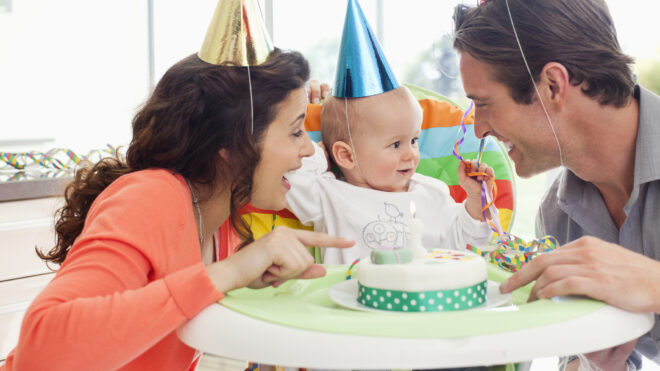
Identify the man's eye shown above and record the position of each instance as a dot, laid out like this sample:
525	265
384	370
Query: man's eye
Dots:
298	133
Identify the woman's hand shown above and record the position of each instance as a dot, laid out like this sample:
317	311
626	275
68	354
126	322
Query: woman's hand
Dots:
317	91
278	256
472	185
594	268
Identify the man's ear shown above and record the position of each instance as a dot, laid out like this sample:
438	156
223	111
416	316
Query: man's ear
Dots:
343	155
557	79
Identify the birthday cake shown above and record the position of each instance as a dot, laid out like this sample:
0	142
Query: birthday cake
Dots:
442	280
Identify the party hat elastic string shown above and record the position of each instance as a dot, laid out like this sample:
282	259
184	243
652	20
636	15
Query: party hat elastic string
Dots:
350	139
251	101
529	71
237	36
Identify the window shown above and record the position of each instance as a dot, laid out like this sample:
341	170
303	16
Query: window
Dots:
73	72
5	6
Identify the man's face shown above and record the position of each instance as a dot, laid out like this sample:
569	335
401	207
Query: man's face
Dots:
522	128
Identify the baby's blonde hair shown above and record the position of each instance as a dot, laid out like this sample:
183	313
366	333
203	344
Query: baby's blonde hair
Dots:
333	120
334	111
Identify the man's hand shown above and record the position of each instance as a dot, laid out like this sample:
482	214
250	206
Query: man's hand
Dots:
594	268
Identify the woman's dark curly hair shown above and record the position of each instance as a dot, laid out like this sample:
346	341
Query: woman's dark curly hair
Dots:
196	110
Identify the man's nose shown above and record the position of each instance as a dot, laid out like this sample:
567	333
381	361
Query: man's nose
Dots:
480	127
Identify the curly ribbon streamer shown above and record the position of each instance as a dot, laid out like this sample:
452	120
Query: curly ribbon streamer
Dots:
57	158
511	252
487	202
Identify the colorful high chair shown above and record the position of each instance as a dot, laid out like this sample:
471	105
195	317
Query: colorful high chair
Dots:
441	122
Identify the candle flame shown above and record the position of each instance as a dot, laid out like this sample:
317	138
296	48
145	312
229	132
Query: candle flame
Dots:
413	209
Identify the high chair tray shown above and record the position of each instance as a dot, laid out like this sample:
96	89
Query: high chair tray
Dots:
298	325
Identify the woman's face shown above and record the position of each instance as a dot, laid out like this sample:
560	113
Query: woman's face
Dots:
284	145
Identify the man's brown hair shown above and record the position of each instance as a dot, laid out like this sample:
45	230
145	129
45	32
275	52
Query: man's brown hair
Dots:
579	34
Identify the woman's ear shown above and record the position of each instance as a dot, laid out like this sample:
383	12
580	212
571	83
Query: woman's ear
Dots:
223	163
343	155
224	154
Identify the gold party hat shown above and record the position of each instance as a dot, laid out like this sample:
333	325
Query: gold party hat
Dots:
236	34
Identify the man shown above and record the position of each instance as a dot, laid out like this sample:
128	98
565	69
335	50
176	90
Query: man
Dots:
549	80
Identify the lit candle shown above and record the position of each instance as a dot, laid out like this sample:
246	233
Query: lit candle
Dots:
416	228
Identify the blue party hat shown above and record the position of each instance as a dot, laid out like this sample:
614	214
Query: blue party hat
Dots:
362	69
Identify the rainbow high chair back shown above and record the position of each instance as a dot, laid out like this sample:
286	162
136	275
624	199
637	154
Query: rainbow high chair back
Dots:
441	122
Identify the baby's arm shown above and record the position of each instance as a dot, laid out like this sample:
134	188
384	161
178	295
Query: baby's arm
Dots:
472	185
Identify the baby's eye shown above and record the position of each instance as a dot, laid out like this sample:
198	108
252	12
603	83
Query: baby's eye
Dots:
414	141
395	144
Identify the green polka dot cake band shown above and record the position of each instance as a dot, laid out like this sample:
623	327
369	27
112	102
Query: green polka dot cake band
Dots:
423	301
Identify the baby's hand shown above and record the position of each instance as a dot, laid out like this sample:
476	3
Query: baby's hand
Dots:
472	184
317	91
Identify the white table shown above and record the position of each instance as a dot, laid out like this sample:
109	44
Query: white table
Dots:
224	332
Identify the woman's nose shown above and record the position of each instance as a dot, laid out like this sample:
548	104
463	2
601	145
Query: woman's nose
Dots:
307	147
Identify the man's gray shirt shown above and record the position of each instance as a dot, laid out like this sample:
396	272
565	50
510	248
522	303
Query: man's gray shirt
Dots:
573	208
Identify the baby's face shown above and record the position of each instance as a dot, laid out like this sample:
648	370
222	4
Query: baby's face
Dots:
386	142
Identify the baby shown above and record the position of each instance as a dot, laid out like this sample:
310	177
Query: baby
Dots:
371	203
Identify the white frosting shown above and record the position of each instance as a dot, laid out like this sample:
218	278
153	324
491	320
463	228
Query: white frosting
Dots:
437	271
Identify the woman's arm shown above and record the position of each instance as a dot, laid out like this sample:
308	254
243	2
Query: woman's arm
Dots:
132	277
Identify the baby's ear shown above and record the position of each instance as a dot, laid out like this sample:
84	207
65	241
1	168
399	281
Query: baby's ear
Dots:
343	155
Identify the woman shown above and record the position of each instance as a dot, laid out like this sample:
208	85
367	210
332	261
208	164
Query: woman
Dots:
134	238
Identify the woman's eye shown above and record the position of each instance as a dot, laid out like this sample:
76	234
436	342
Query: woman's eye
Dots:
395	144
298	133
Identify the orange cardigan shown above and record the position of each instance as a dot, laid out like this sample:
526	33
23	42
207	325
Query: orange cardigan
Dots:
130	280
